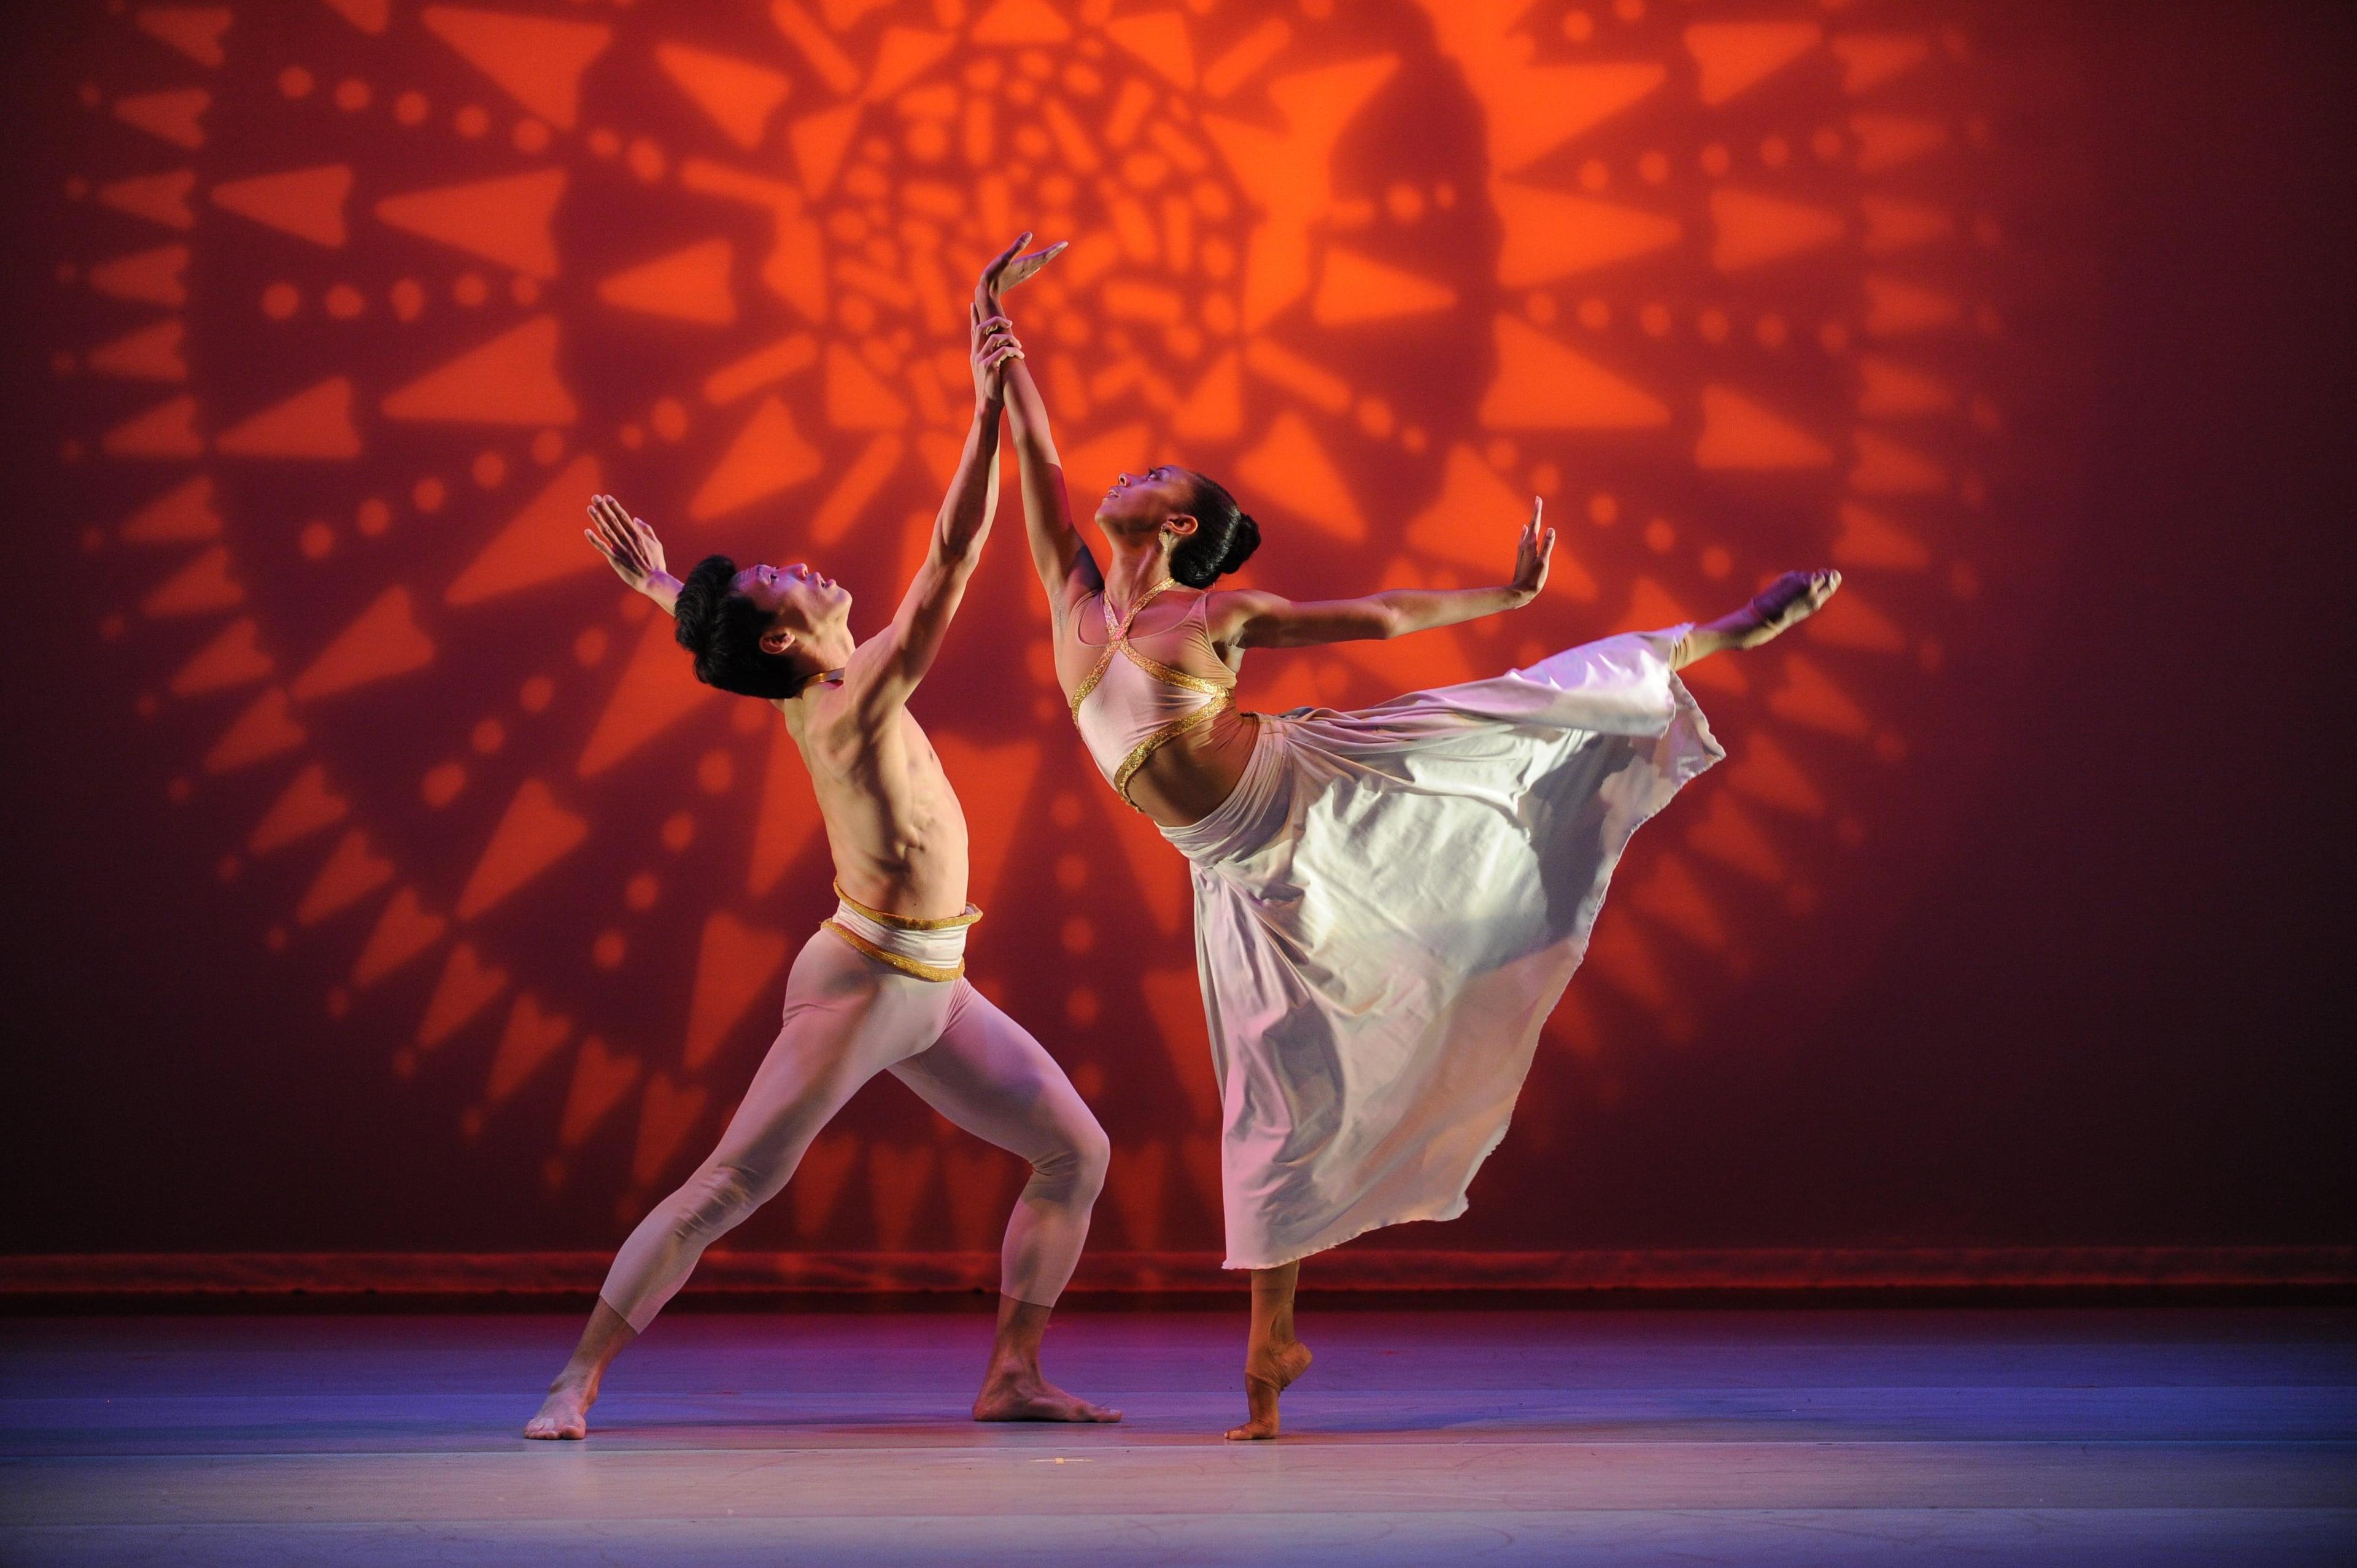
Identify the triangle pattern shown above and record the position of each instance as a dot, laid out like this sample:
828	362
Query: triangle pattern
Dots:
232	659
315	423
505	220
204	584
194	30
405	929
158	198
384	641
467	986
658	689
265	729
1354	287
148	277
601	1076
183	513
1732	57
733	965
1753	228
1031	22
1738	433
533	834
304	807
150	354
511	380
167	430
538	60
1290	467
688	284
1810	698
1471	523
1161	41
1869	539
1869	60
1551	104
530	1038
1550	235
305	202
351	872
368	15
857	398
994	782
1541	385
540	543
176	117
819	141
902	55
767	456
738	95
1214	411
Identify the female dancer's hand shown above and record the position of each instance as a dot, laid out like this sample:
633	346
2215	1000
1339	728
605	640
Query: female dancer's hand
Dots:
994	348
1532	553
631	548
1006	269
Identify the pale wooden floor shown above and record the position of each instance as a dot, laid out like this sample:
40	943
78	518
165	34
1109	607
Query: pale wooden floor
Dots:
1430	1438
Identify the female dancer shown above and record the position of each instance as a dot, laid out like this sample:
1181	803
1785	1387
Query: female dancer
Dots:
1387	904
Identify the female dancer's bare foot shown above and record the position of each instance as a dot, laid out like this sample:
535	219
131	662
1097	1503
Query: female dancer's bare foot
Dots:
1773	611
1266	1377
1022	1394
564	1413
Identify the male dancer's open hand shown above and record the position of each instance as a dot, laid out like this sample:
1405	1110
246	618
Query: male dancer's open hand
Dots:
631	548
1533	552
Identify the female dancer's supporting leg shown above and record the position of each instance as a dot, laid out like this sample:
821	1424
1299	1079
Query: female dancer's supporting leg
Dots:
1361	898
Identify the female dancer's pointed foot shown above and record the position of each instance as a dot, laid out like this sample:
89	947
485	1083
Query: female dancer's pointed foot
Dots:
1785	604
565	1414
1265	1377
1026	1396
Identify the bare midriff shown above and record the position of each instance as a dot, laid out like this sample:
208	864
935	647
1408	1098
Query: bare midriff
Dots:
894	827
1180	771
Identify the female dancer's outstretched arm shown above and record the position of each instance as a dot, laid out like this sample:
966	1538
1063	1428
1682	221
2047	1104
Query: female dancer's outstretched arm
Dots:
1250	618
1066	568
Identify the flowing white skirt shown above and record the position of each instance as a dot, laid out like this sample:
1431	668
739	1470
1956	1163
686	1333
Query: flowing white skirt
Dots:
1387	908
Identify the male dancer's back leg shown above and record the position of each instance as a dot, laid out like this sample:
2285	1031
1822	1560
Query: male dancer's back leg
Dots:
848	1017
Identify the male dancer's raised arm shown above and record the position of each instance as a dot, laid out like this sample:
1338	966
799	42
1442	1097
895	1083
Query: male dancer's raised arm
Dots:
880	987
1066	568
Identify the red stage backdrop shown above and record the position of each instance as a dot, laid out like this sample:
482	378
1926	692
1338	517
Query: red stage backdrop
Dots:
356	302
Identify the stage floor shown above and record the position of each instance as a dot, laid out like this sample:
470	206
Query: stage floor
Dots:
1758	1438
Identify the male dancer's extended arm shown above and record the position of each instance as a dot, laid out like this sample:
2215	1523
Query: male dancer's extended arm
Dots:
1250	618
886	667
1066	568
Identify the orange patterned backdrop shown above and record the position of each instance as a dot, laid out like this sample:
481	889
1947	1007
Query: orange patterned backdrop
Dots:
362	299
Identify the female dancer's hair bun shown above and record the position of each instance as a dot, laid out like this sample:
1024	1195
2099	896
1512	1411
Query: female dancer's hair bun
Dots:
1224	537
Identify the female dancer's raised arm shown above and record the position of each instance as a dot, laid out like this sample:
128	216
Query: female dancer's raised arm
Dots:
1066	568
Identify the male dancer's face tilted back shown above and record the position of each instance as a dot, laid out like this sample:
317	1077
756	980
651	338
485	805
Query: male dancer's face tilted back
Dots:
763	631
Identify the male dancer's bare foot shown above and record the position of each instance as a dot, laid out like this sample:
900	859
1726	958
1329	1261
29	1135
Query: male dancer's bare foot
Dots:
1018	1393
1266	1376
1773	611
1014	1389
564	1413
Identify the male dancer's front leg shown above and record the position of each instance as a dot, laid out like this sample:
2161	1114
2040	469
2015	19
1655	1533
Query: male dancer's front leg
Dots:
847	1018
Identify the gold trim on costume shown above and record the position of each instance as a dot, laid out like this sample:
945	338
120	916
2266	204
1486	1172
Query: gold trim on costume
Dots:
1166	674
901	922
1162	736
1081	692
934	972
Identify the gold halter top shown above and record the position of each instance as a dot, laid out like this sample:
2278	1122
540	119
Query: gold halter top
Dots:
1141	704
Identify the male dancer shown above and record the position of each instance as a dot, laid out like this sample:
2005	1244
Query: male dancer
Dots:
879	987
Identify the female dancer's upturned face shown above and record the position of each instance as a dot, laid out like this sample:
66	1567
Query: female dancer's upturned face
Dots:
1147	503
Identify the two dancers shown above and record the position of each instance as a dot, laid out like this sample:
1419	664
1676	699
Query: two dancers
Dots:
1388	903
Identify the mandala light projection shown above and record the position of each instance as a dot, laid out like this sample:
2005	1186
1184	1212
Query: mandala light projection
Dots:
410	283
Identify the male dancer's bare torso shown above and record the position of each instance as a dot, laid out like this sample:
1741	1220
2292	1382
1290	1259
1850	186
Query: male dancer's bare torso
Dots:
894	826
